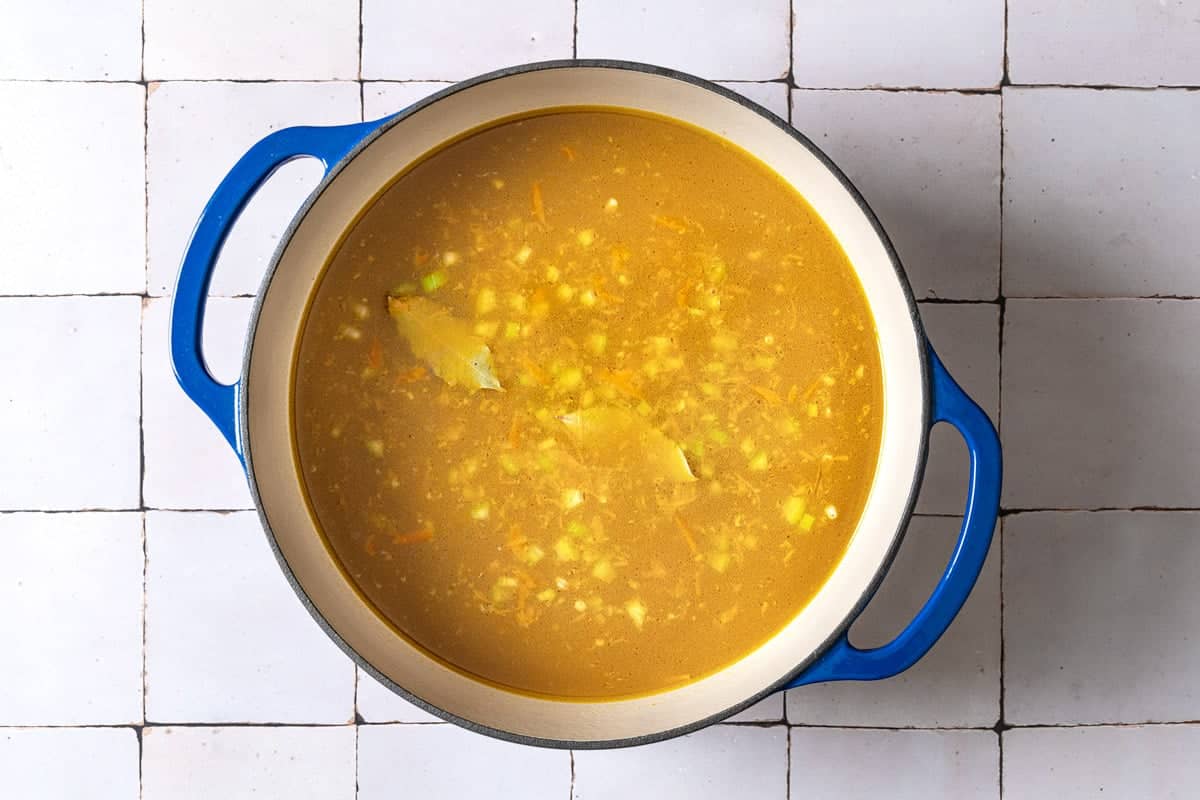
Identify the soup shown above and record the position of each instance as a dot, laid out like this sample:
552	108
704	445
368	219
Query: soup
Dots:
588	403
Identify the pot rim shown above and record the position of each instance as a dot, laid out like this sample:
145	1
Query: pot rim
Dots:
902	519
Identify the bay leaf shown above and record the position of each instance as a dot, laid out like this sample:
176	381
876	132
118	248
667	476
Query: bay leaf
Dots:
445	343
616	437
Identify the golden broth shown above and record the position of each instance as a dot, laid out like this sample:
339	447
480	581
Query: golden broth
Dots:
588	403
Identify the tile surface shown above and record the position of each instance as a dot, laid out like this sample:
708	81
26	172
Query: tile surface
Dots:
771	96
263	40
226	638
447	761
171	627
934	44
100	40
1078	763
188	464
197	132
1099	617
381	98
70	403
718	762
377	703
408	39
71	587
967	339
1074	227
1122	42
276	763
713	39
957	684
1088	422
67	764
769	709
77	149
900	765
929	166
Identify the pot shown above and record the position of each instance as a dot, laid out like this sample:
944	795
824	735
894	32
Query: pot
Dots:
254	414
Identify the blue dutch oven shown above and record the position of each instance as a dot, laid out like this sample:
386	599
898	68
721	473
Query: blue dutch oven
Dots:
254	414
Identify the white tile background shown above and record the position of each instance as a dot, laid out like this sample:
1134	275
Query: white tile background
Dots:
1034	162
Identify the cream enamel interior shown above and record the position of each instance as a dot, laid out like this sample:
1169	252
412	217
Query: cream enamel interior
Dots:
275	471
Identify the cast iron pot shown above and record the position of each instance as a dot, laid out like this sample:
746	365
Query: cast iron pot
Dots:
254	414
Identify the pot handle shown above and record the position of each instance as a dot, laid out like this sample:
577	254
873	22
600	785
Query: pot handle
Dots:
845	662
219	400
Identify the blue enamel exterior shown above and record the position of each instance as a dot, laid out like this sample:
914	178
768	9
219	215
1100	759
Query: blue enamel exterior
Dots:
218	400
845	662
841	661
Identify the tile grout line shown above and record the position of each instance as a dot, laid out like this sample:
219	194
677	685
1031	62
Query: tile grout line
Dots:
362	103
962	301
571	794
1001	723
789	91
1020	726
787	758
145	574
790	77
1099	87
1004	512
139	731
575	33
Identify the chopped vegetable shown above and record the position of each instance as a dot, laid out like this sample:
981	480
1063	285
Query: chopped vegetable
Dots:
565	550
794	508
539	207
637	612
485	301
413	537
571	498
434	281
604	571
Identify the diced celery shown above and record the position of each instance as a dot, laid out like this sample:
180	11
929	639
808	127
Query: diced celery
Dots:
434	281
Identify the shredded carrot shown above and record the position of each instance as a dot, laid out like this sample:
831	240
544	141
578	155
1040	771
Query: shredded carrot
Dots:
812	387
681	296
412	537
670	223
537	372
622	381
514	433
687	534
413	375
792	393
568	152
375	355
524	616
539	208
770	395
601	292
369	546
618	257
516	541
420	256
